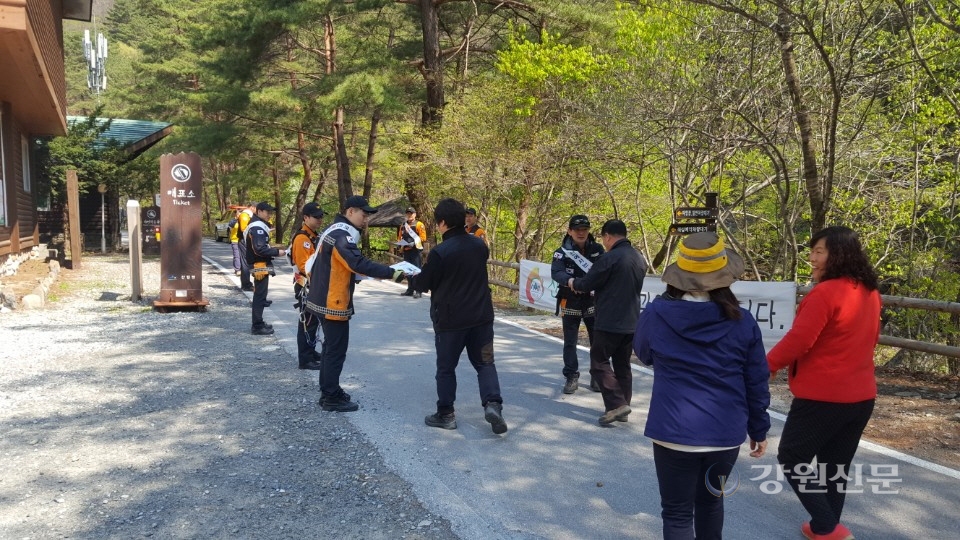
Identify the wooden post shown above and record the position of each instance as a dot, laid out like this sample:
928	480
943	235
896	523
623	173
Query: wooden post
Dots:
135	248
73	211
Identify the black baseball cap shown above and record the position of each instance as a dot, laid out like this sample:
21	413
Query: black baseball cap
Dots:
411	210
265	206
312	209
579	221
472	211
356	201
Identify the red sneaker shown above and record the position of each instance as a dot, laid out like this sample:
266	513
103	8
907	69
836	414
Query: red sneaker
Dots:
839	533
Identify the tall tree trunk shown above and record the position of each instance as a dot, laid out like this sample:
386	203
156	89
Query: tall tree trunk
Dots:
371	152
815	185
302	153
278	217
344	183
523	215
432	64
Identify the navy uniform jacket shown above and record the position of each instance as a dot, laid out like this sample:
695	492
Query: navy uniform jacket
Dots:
563	268
257	238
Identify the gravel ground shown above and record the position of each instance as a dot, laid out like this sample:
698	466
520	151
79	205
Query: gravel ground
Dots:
117	421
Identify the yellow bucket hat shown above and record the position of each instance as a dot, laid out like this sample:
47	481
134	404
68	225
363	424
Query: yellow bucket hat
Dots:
703	264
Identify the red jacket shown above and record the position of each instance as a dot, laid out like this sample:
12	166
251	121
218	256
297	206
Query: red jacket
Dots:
829	350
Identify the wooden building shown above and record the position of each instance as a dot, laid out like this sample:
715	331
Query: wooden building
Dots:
33	102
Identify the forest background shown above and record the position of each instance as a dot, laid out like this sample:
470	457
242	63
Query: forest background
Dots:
799	115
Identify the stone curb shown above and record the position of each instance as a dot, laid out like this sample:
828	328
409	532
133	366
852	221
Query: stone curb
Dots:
36	298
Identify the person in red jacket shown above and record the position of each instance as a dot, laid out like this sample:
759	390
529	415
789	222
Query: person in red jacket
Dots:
828	354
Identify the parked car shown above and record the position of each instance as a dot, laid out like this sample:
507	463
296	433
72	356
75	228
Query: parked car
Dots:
221	229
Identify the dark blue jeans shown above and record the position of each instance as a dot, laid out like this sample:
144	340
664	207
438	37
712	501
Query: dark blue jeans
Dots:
235	247
571	336
336	338
260	287
479	344
831	433
689	509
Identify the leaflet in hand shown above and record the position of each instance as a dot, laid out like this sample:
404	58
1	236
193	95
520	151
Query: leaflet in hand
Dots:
406	268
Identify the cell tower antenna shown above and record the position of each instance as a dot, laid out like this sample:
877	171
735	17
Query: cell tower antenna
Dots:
95	53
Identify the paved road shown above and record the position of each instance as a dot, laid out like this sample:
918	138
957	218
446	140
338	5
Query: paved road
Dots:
557	473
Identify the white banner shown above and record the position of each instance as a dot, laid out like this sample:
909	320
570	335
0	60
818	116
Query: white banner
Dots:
772	303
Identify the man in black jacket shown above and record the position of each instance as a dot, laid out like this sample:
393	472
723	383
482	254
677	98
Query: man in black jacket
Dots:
260	258
462	313
573	258
616	280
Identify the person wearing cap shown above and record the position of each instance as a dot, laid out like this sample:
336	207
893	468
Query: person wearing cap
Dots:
576	254
710	385
234	231
330	295
461	309
616	280
412	234
243	220
260	256
473	227
302	247
828	354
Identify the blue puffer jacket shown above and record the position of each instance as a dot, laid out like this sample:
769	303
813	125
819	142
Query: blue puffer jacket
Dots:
710	382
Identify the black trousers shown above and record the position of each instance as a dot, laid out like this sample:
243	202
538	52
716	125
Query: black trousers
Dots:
413	257
260	287
307	328
244	266
689	508
829	432
610	367
479	344
336	338
571	336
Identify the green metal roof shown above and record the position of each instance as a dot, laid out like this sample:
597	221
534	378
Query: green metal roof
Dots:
136	136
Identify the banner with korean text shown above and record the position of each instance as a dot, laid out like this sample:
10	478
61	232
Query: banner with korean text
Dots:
773	304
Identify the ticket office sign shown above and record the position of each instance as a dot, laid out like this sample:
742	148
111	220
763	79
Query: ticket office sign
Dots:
181	179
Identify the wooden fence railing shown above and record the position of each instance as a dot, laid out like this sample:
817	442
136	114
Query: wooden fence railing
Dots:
912	303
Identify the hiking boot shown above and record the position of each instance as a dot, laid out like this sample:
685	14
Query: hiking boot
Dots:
339	404
416	294
839	533
313	364
247	288
610	417
493	413
267	303
594	386
406	293
442	421
571	385
261	330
